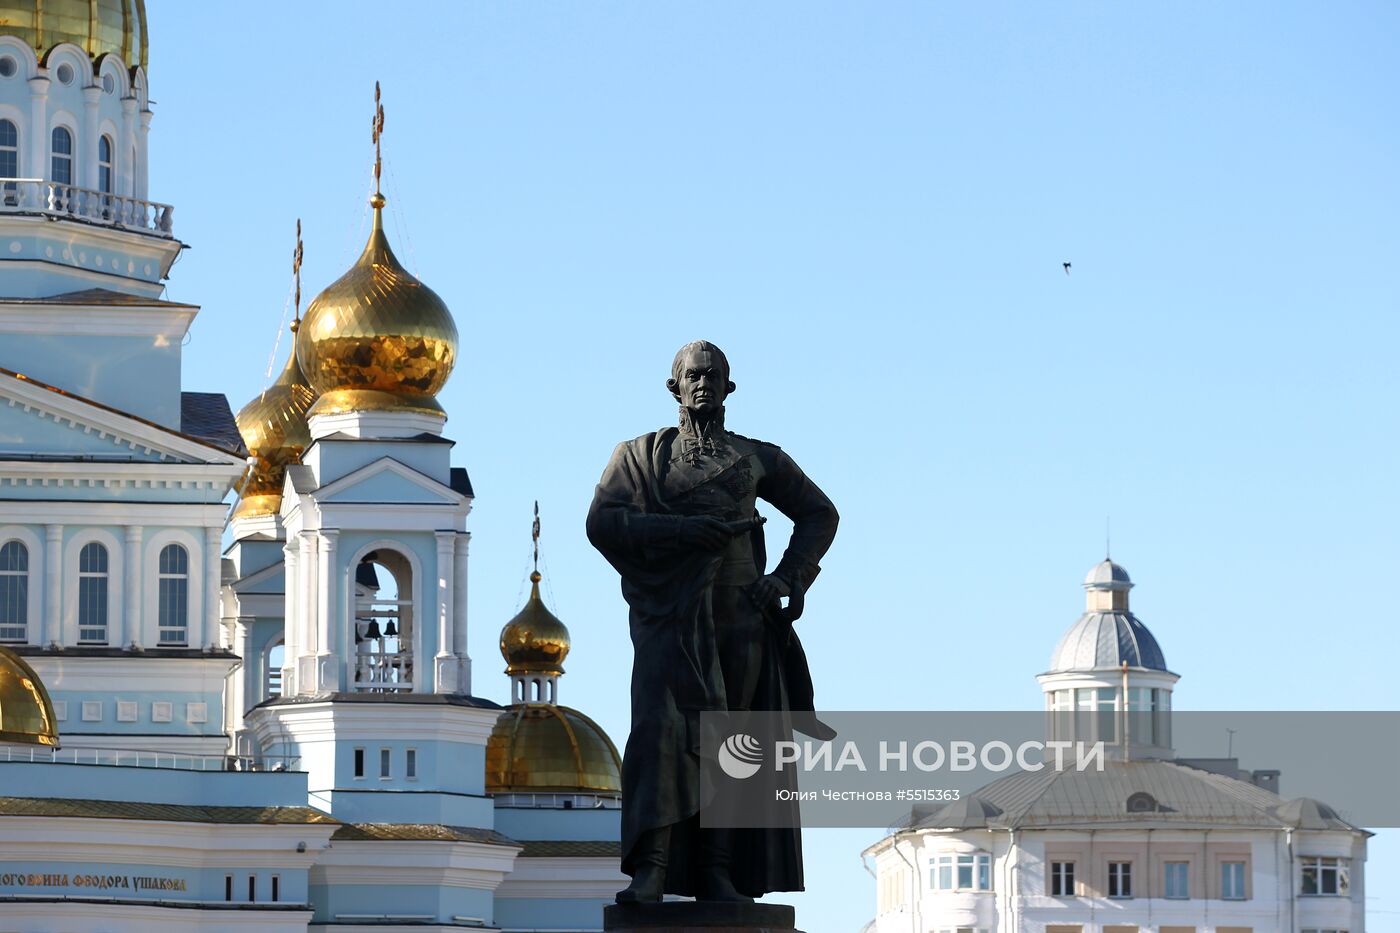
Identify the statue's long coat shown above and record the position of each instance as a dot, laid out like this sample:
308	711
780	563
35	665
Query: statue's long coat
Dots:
676	673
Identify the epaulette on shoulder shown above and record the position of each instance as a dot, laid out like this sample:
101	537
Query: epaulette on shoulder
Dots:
755	441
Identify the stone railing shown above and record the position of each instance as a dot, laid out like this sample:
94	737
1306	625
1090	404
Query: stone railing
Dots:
34	195
138	758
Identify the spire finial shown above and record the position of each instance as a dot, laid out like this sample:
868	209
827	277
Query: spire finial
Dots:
296	276
535	537
1108	537
376	131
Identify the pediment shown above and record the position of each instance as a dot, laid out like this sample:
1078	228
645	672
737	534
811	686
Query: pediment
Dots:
270	580
39	421
387	482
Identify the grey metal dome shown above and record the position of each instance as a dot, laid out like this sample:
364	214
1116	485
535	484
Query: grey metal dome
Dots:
1101	640
1106	575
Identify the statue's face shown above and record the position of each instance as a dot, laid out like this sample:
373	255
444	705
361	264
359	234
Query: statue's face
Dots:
702	382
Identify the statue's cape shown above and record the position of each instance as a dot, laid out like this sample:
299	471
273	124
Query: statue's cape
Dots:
676	672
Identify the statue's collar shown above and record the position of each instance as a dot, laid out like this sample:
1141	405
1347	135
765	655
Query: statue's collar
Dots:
696	442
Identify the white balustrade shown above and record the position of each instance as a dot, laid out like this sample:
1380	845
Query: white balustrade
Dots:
35	195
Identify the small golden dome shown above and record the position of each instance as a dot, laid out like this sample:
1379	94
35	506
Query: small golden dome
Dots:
539	748
98	28
274	430
535	641
377	339
26	713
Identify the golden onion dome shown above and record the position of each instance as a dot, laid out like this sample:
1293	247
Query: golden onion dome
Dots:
26	713
540	748
535	641
98	27
377	339
274	430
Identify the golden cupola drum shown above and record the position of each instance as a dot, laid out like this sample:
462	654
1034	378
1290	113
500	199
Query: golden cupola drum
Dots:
274	430
377	339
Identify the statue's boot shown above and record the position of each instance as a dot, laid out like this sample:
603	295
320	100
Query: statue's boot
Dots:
715	882
649	881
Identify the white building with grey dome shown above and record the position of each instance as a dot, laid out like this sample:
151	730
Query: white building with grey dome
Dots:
1153	842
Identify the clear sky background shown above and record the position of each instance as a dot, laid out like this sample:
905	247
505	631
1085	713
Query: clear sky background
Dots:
867	206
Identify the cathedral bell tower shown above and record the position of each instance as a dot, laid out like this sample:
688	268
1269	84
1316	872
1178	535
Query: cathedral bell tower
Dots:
371	518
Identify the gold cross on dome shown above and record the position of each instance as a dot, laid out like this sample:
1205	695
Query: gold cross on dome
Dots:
296	276
376	131
535	534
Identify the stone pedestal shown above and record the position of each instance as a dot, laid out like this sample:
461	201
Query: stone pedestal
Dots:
699	917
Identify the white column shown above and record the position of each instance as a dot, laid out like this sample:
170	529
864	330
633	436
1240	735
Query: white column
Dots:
143	129
290	619
130	633
87	147
307	609
445	670
53	584
213	580
125	156
38	166
327	662
459	614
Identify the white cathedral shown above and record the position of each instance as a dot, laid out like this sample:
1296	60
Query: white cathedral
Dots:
1154	843
280	734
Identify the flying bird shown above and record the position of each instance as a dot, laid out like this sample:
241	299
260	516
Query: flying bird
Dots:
1066	265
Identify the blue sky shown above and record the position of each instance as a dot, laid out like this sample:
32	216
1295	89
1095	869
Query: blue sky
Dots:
867	206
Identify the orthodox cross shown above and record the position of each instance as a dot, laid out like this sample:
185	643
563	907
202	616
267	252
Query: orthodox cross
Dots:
296	277
376	131
535	535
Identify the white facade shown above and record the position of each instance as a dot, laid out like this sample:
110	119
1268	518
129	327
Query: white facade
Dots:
281	736
1149	844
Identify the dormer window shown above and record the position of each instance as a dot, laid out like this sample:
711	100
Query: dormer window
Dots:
1142	802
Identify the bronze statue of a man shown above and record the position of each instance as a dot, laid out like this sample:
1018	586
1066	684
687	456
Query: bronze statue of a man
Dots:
675	514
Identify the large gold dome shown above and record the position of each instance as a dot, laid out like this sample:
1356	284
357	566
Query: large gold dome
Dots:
540	748
535	640
274	430
377	339
98	27
26	713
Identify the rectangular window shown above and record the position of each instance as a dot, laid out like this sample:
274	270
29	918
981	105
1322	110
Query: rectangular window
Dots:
276	887
14	591
971	871
1232	881
1177	882
1062	879
359	762
1326	876
252	888
386	760
228	887
1120	879
410	764
1107	715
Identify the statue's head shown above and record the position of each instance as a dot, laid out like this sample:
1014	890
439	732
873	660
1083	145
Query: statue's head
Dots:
700	377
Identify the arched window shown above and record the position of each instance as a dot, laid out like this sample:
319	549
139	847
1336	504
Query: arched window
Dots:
92	595
104	164
276	657
14	592
9	160
174	595
62	168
